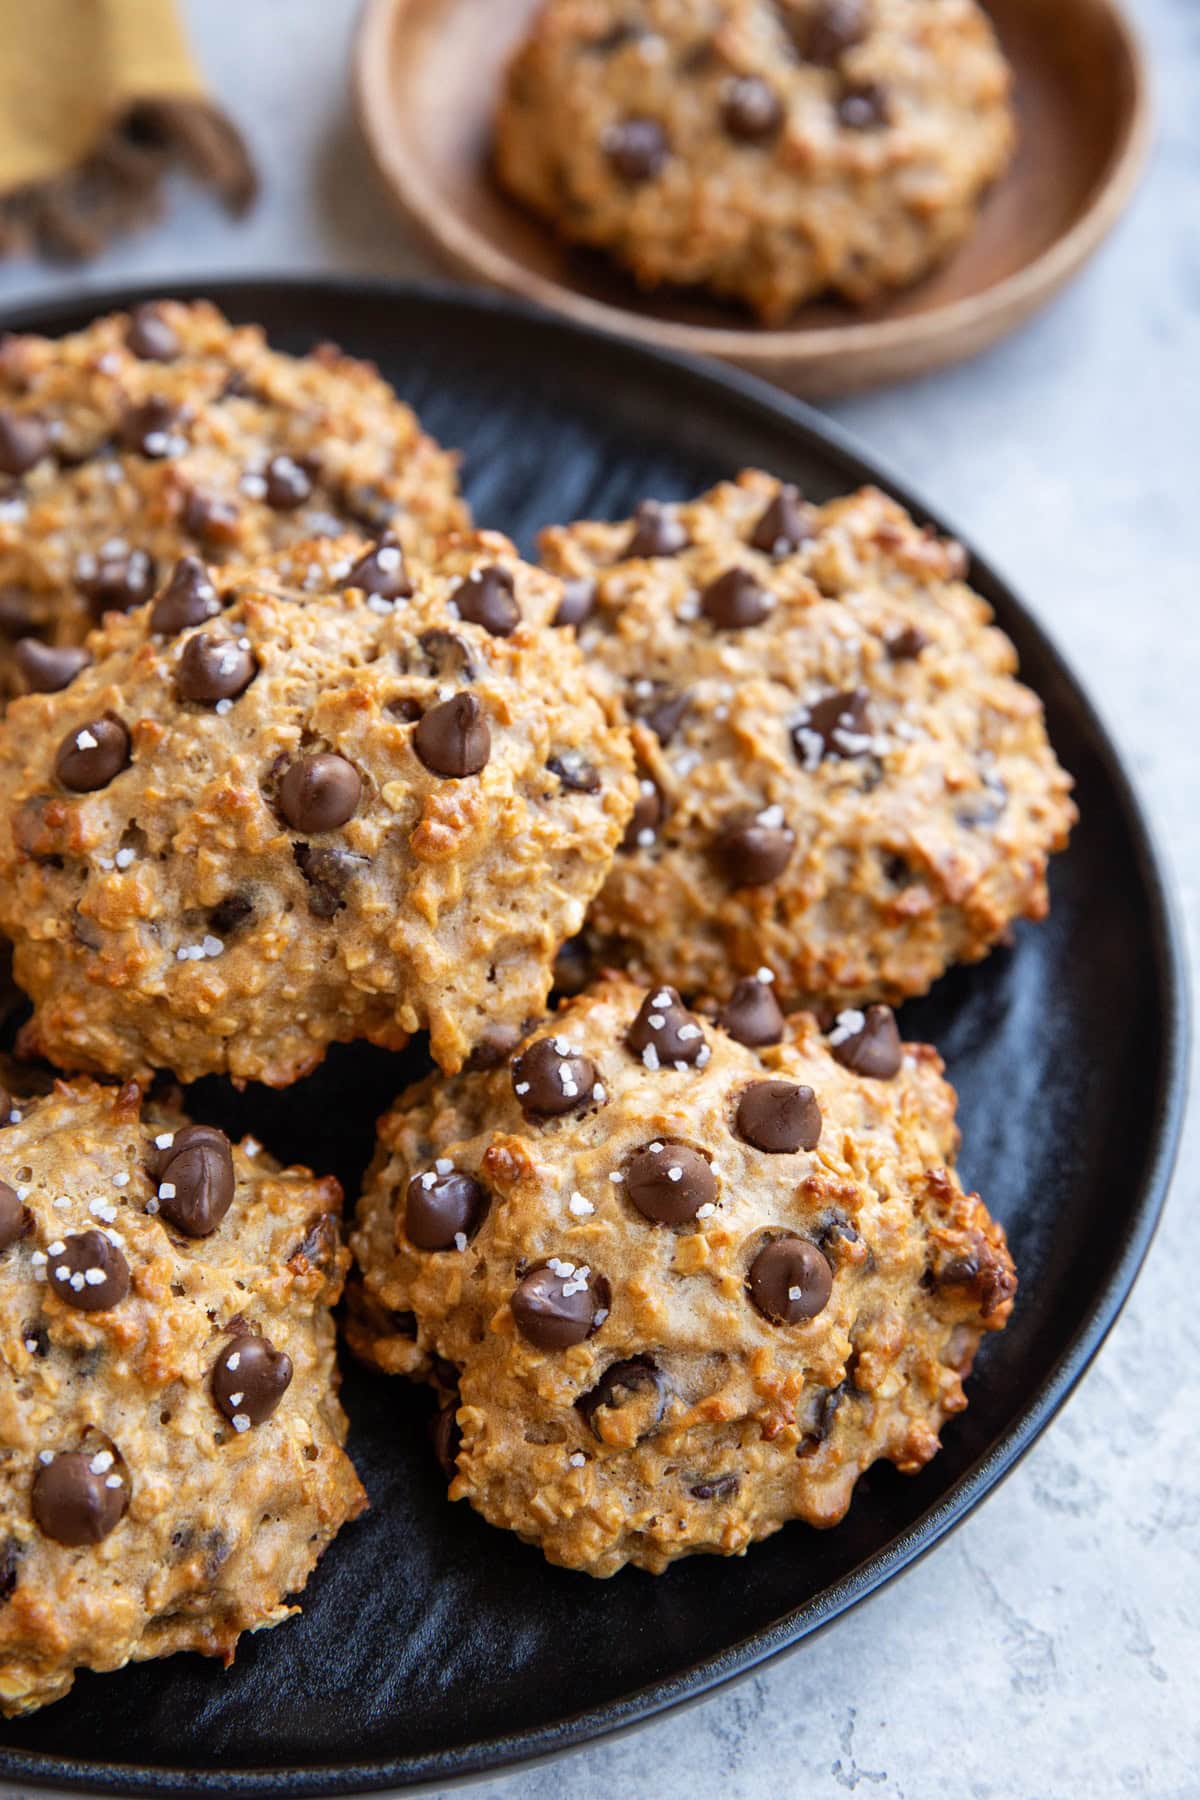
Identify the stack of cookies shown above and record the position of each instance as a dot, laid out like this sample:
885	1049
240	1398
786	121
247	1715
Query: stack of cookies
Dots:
296	756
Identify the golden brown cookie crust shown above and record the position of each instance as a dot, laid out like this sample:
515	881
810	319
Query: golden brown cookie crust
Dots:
759	148
110	486
920	834
760	1422
177	918
222	1524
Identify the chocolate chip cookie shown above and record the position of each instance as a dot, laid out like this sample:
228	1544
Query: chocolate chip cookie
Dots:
171	1462
840	777
333	794
769	150
679	1280
171	432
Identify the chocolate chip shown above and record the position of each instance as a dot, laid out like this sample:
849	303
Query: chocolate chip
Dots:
209	516
319	1246
79	1497
189	598
212	669
632	1392
151	429
151	337
486	598
735	600
906	645
637	149
196	1181
752	1014
985	807
578	601
453	739
572	967
229	914
9	1554
328	870
368	505
863	107
868	1043
660	707
382	571
721	1487
24	440
665	1033
784	524
828	32
575	772
15	615
669	1183
447	654
48	668
647	816
90	756
790	1281
441	1211
751	110
615	38
560	1304
656	532
552	1077
447	1439
87	1271
753	849
249	1379
288	484
835	725
319	793
14	1217
779	1117
115	580
494	1047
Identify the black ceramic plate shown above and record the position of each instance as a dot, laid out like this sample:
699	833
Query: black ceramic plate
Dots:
432	1646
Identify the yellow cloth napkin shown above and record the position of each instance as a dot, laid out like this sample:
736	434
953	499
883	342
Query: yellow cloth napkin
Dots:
98	99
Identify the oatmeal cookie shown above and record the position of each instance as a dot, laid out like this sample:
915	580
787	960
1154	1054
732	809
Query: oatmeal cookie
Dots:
329	795
841	778
171	1461
170	431
691	1278
770	150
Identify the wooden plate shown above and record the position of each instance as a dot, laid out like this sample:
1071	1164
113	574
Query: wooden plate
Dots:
426	75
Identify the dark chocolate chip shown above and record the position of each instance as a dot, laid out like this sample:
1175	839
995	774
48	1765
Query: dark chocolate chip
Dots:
575	772
14	1217
196	1181
637	149
984	807
249	1379
115	580
660	707
834	27
447	654
646	817
328	870
779	1117
656	532
665	1033
721	1487
669	1183
735	601
907	644
15	616
487	598
229	914
48	668
447	1439
572	967
615	38
790	1281
560	1306
494	1047
212	669
210	516
288	483
752	1014
751	110
9	1556
319	793
368	506
863	107
551	1077
150	336
578	601
189	598
79	1497
784	524
440	1209
868	1043
151	429
382	571
753	849
319	1246
88	1271
832	726
453	739
90	756
24	440
630	1392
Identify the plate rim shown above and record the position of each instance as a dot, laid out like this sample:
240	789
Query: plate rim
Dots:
503	1753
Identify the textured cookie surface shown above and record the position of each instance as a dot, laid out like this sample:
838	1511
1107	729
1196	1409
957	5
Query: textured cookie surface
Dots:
171	1462
324	797
771	150
143	438
841	778
688	1288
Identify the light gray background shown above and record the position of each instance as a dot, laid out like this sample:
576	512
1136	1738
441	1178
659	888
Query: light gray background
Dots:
1051	1648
